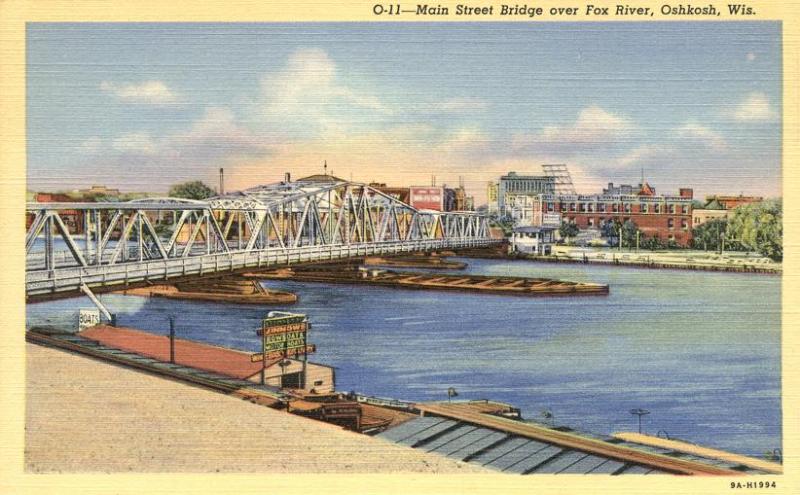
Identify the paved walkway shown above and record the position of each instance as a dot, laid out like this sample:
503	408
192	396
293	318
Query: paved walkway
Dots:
83	415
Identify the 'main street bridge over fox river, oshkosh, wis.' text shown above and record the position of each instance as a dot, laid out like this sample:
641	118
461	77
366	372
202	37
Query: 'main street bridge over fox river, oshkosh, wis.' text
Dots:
73	247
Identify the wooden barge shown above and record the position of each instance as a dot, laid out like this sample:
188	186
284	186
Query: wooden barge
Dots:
517	286
415	261
228	290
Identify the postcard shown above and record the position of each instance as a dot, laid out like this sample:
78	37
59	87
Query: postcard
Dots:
424	248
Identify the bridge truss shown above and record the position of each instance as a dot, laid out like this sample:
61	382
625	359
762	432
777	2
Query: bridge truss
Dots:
72	246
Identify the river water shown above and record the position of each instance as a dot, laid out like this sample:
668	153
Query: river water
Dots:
699	350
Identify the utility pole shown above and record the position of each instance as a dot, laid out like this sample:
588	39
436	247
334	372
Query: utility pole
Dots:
620	238
172	339
640	412
637	240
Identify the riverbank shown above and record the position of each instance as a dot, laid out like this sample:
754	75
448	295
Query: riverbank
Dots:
681	259
83	415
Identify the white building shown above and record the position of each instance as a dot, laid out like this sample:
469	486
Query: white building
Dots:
533	240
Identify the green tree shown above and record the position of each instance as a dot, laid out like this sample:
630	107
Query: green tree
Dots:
708	236
653	243
758	227
191	190
610	230
629	230
567	230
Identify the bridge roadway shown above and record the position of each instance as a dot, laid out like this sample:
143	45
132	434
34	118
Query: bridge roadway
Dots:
44	282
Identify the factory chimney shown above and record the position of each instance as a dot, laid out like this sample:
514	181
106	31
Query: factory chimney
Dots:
221	181
287	177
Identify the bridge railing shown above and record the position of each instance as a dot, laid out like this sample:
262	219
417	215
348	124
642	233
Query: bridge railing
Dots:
41	282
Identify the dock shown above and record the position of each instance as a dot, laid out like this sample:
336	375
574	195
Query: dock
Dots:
478	434
516	286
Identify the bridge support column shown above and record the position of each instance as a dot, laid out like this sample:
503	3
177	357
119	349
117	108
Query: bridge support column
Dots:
86	290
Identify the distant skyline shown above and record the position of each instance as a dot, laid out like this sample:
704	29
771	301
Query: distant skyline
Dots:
142	106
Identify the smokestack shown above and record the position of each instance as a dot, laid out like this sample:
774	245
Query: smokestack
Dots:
221	181
287	178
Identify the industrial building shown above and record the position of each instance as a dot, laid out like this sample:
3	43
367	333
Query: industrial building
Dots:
513	184
667	217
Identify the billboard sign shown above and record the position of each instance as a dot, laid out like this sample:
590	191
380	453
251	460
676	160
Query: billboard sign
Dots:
310	348
283	334
427	198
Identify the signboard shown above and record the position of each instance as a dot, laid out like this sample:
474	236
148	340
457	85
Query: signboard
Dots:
284	341
310	348
427	198
283	334
88	318
291	327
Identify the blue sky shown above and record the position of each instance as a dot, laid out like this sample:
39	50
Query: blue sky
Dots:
143	106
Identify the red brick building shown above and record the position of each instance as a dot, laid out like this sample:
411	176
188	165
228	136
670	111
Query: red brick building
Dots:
731	202
668	217
73	219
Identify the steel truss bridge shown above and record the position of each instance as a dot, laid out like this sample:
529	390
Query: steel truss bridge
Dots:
80	246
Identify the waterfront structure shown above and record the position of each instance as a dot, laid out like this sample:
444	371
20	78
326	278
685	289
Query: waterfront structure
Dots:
533	240
513	184
399	193
727	202
99	191
703	215
717	207
526	210
427	198
320	218
492	189
623	189
667	217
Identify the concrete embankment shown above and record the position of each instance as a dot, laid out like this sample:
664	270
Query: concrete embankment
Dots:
647	262
83	415
229	289
670	260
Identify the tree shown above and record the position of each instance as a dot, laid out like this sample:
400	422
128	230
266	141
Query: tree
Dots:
629	230
708	236
652	243
191	190
568	230
610	230
759	227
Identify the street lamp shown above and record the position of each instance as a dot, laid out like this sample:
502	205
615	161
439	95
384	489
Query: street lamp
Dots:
451	392
640	412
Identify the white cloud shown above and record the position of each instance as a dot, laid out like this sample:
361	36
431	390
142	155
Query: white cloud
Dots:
461	105
594	130
639	155
700	134
91	145
134	142
751	56
147	92
755	108
593	124
308	96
